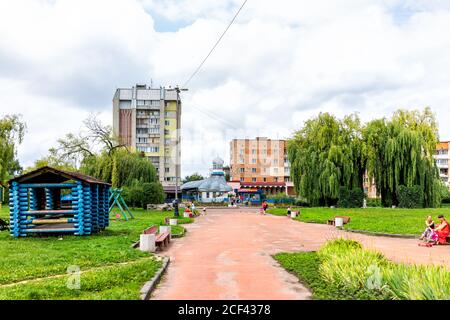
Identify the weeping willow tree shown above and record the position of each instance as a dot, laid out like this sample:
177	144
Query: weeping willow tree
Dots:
400	153
120	168
325	155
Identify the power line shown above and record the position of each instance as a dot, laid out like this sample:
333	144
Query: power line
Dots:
215	45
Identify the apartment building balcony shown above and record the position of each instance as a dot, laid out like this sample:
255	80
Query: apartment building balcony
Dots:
442	165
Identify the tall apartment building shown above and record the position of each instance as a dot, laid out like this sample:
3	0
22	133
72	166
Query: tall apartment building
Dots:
442	160
261	163
149	120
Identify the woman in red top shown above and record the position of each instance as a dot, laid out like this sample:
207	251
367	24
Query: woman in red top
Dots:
442	230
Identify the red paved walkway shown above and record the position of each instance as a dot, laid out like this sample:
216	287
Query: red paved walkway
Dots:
227	255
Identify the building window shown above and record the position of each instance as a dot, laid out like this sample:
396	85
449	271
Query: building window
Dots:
167	122
254	161
166	132
242	179
253	179
265	179
167	170
253	170
242	170
275	162
253	151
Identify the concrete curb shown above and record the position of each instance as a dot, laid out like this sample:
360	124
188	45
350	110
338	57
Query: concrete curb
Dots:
380	234
150	286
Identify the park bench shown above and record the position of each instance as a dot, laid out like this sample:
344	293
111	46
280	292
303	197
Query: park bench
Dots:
333	221
161	239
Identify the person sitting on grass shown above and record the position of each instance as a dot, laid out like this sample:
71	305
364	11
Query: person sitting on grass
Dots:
429	235
289	211
442	230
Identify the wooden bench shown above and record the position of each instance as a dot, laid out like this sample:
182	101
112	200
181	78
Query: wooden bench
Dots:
161	239
333	221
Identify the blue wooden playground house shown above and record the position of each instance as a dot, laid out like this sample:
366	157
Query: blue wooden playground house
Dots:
36	205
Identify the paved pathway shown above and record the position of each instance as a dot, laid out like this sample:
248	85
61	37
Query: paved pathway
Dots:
227	255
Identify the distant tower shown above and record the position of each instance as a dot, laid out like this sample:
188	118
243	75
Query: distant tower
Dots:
218	166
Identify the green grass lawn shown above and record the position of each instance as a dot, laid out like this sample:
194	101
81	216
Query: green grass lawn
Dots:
37	257
383	220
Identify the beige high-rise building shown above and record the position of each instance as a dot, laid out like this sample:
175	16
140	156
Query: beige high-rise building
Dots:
261	163
442	158
149	120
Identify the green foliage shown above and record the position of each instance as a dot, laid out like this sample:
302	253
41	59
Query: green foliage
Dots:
121	168
400	152
350	198
411	197
193	177
305	266
328	153
374	203
138	195
325	154
153	193
119	282
12	130
281	198
342	269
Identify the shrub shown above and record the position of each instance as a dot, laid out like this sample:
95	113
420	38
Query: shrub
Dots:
299	202
367	274
374	202
281	198
410	197
350	198
153	193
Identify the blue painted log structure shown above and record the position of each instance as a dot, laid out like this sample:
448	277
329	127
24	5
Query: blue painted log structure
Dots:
36	208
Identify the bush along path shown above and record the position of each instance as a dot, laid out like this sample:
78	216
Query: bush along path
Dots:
343	270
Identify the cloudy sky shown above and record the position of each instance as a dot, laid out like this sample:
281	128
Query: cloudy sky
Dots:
280	63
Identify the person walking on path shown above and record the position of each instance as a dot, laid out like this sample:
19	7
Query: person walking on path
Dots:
265	205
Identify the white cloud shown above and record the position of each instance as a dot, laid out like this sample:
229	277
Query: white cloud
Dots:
278	65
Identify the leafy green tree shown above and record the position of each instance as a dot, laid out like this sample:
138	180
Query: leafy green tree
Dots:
12	131
153	193
326	154
121	168
193	177
400	153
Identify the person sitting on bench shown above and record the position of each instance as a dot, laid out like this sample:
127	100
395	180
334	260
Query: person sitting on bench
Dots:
429	235
442	230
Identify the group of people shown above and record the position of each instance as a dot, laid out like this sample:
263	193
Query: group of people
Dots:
436	234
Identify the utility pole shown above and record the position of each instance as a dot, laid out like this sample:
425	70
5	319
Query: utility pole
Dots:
177	89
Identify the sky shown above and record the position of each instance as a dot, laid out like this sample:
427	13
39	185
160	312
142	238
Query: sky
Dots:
280	63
